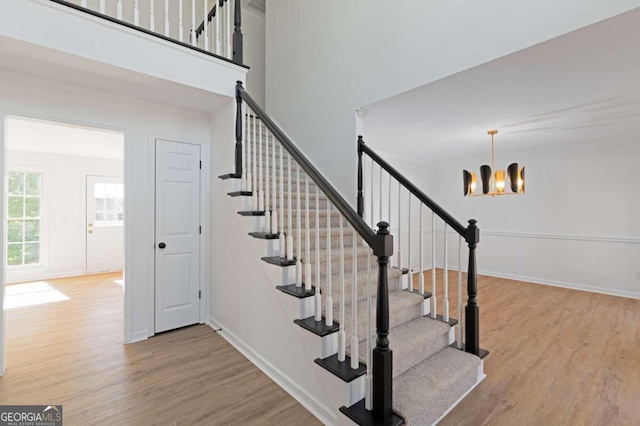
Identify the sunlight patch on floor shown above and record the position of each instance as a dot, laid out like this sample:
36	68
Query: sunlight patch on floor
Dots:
119	282
30	294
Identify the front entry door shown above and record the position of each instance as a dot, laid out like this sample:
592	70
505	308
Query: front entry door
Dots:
105	219
177	239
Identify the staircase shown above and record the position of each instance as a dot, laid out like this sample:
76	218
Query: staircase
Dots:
336	270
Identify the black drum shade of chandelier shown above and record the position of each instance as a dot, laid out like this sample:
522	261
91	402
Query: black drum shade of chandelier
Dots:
492	180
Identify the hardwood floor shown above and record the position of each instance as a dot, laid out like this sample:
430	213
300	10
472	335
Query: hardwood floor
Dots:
71	353
558	356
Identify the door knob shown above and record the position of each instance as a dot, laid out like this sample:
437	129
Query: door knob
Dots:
90	224
162	245
90	231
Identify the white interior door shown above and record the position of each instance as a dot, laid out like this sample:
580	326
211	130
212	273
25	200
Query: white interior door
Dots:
104	227
177	280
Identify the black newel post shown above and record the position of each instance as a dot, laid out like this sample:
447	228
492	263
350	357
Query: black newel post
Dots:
360	194
237	34
472	311
238	129
382	355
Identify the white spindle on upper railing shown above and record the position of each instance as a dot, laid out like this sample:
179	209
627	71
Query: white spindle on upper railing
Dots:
260	170
459	325
254	165
289	211
166	19
229	28
103	6
409	265
445	299
434	304
329	300
274	206
400	227
152	15
368	381
118	9
217	21
281	238
355	356
205	25
342	335
421	279
192	34
298	231
307	237
136	13
267	198
318	297
180	24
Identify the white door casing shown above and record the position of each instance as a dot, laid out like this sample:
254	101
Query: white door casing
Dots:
105	224
177	235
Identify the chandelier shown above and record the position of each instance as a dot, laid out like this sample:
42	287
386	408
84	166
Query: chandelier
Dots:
493	183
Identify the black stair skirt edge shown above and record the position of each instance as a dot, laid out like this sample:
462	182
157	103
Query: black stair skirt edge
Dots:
426	295
319	328
264	235
279	261
483	352
251	213
230	176
298	292
342	369
452	321
360	415
240	194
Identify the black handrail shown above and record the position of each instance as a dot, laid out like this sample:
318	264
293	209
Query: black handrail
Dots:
338	201
450	220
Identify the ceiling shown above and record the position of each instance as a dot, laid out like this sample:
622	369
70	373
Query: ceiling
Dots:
583	87
25	134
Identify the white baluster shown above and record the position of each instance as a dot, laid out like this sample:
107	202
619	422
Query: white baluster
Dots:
254	163
152	15
260	169
228	28
434	304
205	26
318	297
103	6
180	24
342	335
274	207
267	198
373	222
400	227
136	13
459	325
421	252
289	212
193	23
307	227
355	356
217	21
282	239
389	215
380	195
166	18
118	9
329	300
445	300
368	381
298	230
410	285
245	142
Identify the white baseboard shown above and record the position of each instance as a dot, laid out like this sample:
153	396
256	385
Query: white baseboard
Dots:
138	336
325	414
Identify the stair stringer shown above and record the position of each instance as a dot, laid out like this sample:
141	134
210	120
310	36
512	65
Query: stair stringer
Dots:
254	316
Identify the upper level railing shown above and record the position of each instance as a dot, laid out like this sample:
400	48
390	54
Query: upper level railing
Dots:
216	31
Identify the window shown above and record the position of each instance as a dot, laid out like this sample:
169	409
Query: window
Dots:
109	203
23	218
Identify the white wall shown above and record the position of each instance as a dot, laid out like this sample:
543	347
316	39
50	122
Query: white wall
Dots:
141	121
253	30
326	59
64	210
576	226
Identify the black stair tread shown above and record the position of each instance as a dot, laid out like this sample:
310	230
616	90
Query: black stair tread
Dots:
251	213
230	176
240	194
483	352
265	235
342	369
279	261
360	415
319	328
452	321
426	295
299	292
